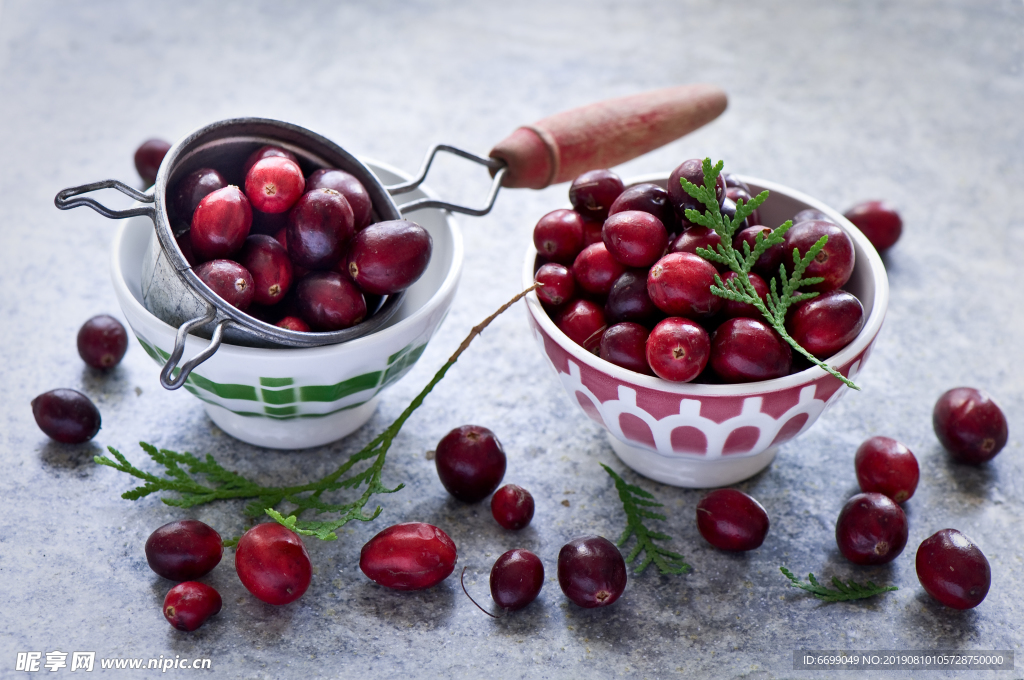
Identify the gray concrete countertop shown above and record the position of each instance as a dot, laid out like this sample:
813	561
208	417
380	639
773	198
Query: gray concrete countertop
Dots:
915	102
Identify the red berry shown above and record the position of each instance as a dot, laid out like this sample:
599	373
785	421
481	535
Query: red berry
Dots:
625	344
184	550
732	309
328	301
67	416
293	323
102	342
953	570
220	223
188	605
267	152
593	193
737	193
595	270
678	349
267	262
583	321
388	257
680	285
826	323
274	184
628	300
148	158
512	507
731	520
410	556
970	425
649	198
747	350
834	262
557	284
871	529
698	237
516	579
273	564
635	238
229	280
319	228
879	221
470	462
348	186
768	264
193	188
693	171
886	466
558	235
591	571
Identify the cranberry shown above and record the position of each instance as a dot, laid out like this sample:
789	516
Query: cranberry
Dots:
410	556
953	570
388	257
810	214
267	261
348	186
625	345
188	605
693	171
516	579
728	209
592	232
834	262
274	184
193	188
512	507
736	194
678	349
148	158
732	309
267	152
595	270
591	571
593	193
229	280
635	238
680	285
970	425
731	520
328	301
220	223
319	227
293	323
650	198
827	323
273	564
67	416
768	264
470	462
888	467
871	529
698	237
583	321
102	342
184	550
747	350
558	235
557	284
879	221
628	300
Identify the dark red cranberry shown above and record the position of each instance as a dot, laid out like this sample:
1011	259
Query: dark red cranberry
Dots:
592	232
349	187
220	223
410	556
512	507
768	264
970	425
736	194
102	342
888	467
319	227
188	605
628	300
558	284
388	257
693	171
834	262
635	238
184	550
732	309
591	571
470	462
731	520
193	188
184	241
871	529
680	285
593	193
879	221
148	158
747	350
67	416
625	344
516	579
583	321
595	270
650	198
809	214
267	152
678	349
328	301
293	323
274	184
267	261
698	237
273	564
558	235
229	280
827	323
728	209
953	570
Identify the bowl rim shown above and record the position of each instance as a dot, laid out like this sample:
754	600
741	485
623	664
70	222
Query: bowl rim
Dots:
872	324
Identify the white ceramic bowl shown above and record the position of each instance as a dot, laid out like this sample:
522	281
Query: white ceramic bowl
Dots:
297	398
703	436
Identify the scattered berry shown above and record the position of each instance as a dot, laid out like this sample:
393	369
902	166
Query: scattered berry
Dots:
512	507
516	579
871	529
591	571
188	605
67	416
970	425
410	556
731	520
470	462
102	342
273	564
953	570
886	466
184	550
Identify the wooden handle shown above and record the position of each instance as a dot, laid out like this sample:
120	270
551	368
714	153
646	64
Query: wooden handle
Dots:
563	146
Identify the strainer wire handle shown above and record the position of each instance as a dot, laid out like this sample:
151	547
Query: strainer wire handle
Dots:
495	165
71	198
179	348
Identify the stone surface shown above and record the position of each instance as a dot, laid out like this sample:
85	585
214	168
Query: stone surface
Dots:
915	102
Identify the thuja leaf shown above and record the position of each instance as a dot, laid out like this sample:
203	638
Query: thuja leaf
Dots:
843	592
635	501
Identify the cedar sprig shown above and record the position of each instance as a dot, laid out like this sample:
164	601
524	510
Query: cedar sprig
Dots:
635	501
843	592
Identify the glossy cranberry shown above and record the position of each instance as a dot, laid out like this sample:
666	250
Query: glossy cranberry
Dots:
512	507
678	349
319	227
680	285
650	198
267	262
732	309
768	264
558	284
888	467
267	152
593	193
67	416
834	262
229	280
698	237
293	323
220	223
102	342
348	186
871	529
635	238
188	605
184	550
516	579
628	300
470	462
693	171
970	425
410	556
558	235
810	214
328	301
731	520
625	344
148	158
595	270
953	570
583	321
748	350
591	571
827	323
273	564
736	194
184	241
193	188
879	221
388	257
592	232
274	184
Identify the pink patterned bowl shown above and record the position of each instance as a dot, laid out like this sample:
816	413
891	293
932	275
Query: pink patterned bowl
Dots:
703	436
